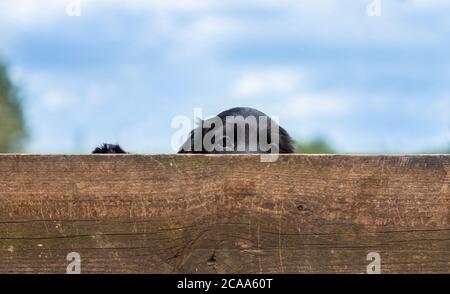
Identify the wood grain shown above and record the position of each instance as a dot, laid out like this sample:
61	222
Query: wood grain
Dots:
224	213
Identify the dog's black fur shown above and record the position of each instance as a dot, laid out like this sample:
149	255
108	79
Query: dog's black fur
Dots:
108	148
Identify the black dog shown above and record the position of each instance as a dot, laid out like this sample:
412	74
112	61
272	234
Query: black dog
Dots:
261	125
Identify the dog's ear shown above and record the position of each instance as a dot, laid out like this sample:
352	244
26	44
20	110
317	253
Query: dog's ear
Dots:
109	149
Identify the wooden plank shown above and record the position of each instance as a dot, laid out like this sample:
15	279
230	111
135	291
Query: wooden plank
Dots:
224	214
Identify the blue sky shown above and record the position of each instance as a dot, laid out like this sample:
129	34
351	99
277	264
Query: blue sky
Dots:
122	70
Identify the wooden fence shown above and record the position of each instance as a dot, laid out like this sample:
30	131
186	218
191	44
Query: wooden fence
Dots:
224	213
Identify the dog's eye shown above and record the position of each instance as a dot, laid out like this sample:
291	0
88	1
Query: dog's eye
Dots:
225	143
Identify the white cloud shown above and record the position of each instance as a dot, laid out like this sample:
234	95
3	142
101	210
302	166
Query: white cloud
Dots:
170	5
291	87
31	13
317	106
201	37
209	24
266	82
54	101
430	3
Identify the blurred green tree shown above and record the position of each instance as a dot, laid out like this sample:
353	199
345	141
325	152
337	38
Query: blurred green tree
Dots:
318	146
12	125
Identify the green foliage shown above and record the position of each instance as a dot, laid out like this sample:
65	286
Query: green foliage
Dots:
436	151
318	146
12	126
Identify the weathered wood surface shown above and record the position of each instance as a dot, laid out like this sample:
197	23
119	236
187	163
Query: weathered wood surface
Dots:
224	214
